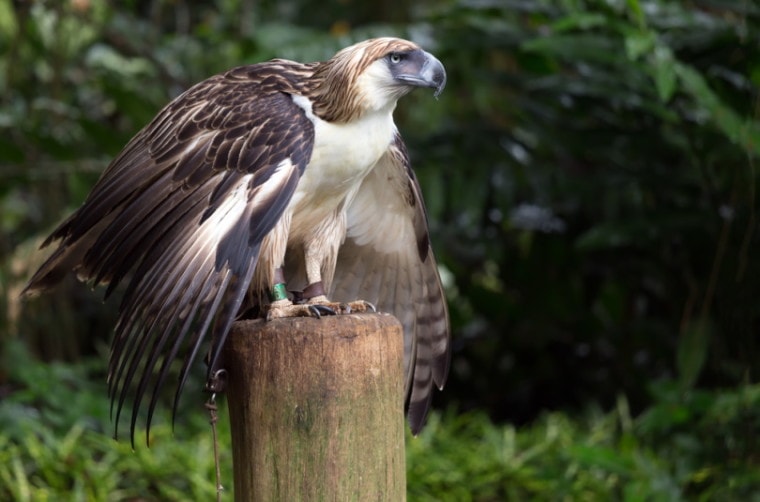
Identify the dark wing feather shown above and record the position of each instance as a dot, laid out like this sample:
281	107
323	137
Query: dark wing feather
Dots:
387	260
182	211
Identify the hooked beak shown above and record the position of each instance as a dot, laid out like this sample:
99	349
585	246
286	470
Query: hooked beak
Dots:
430	73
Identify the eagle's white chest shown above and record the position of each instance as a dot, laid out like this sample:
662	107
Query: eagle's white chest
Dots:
342	156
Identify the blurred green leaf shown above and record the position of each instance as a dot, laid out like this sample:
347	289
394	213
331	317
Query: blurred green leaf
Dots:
692	352
638	13
638	43
664	72
580	21
8	22
616	235
745	132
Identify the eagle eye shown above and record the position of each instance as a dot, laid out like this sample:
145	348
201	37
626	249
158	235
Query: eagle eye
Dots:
395	57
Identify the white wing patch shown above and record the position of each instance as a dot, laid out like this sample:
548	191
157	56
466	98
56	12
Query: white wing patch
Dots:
274	184
219	223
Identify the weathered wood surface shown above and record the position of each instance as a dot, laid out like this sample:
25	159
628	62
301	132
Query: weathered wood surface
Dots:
316	408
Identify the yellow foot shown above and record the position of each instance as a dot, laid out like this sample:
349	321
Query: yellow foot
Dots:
316	307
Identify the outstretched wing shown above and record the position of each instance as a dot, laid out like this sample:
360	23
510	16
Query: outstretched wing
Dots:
387	260
183	210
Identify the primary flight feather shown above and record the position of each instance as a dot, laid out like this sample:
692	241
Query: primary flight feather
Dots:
274	176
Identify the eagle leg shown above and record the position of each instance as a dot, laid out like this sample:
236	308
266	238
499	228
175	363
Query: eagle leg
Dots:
312	301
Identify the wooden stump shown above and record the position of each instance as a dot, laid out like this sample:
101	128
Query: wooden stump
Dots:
316	408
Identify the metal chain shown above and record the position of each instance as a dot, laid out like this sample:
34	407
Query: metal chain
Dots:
216	383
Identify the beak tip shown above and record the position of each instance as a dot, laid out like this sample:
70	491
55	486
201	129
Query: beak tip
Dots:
441	86
438	77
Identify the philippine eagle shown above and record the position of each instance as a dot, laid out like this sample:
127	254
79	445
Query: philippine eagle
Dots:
267	178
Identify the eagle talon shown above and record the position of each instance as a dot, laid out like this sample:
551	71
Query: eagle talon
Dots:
319	310
360	306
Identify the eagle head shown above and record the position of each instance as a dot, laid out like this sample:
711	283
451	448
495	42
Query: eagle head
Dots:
397	66
372	75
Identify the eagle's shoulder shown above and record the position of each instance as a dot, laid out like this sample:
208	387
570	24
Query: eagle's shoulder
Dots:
242	119
274	76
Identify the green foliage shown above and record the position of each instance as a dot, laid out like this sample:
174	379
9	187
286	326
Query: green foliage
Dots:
55	443
83	464
698	446
593	187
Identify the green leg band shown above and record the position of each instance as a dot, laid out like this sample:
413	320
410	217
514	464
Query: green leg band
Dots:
278	292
